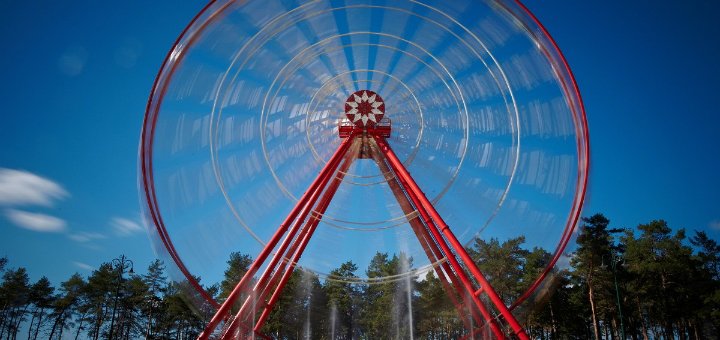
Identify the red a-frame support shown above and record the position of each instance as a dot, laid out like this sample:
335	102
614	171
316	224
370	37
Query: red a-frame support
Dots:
478	305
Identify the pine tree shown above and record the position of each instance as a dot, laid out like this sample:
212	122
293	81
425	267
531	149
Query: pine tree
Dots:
594	244
385	309
238	264
437	317
665	282
66	305
708	255
41	298
14	299
97	304
155	280
502	265
342	302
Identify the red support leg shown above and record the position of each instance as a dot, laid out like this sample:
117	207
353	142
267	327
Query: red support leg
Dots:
274	272
222	312
304	239
443	271
466	283
464	279
436	238
457	247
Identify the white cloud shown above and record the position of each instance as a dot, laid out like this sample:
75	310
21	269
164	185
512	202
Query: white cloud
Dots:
124	226
35	221
715	225
19	187
84	236
84	266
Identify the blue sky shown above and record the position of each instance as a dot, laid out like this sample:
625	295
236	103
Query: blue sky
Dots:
76	77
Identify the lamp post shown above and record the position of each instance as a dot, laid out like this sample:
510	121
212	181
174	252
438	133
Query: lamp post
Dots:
120	264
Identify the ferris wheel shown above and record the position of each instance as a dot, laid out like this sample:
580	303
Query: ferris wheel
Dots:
312	133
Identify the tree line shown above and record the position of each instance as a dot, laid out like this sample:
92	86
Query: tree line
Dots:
646	282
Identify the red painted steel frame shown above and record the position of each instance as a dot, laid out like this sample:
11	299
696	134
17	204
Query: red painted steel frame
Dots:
241	286
295	250
439	243
305	238
424	204
272	274
434	254
454	263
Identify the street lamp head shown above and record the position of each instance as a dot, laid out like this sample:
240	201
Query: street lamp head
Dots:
131	271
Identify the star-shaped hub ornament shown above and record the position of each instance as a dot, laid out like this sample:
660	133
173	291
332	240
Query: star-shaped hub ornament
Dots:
364	108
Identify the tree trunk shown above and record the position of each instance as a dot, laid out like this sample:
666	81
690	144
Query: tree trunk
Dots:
32	323
592	309
642	320
669	330
62	328
77	334
3	316
614	329
57	322
19	321
553	334
39	323
148	330
682	329
96	329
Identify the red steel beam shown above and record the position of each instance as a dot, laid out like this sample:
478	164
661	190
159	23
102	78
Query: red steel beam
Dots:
272	272
222	312
304	239
415	194
455	265
431	230
434	254
396	165
298	223
350	155
415	190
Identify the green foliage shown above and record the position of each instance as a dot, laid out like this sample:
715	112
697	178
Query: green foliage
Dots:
648	282
238	264
385	309
342	301
502	264
15	298
437	316
41	298
66	305
300	311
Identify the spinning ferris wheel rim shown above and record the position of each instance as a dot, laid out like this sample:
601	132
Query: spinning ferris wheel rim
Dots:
501	81
176	53
583	144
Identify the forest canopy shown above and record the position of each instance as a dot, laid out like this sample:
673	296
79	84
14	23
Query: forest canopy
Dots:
650	281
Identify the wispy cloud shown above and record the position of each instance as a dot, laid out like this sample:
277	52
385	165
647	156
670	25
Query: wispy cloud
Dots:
19	187
23	188
125	227
35	221
84	236
83	266
715	225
